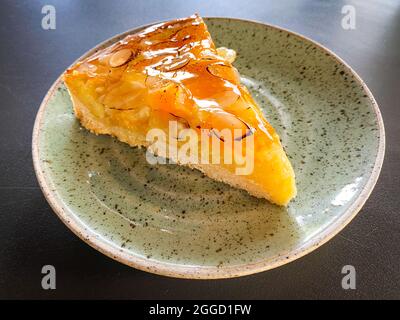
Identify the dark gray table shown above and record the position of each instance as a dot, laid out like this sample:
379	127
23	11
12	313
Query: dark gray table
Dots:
31	235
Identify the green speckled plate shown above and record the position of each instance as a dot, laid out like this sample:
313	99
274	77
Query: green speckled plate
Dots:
173	221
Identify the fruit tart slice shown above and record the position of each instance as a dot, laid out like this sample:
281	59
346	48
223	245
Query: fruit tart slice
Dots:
170	78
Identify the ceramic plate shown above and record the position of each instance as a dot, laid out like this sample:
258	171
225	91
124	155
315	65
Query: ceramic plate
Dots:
174	221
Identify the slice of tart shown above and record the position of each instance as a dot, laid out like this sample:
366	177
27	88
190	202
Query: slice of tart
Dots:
170	78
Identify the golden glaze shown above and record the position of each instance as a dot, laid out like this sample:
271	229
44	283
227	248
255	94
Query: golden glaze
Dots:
177	59
172	71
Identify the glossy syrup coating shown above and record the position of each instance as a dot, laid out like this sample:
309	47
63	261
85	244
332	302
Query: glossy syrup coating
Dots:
172	74
173	67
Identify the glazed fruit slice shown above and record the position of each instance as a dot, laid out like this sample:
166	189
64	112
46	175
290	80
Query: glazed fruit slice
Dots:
172	72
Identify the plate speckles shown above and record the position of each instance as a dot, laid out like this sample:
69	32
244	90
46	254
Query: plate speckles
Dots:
174	221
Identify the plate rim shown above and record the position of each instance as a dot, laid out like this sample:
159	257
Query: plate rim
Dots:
207	272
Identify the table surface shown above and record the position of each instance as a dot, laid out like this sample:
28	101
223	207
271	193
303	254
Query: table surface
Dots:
32	236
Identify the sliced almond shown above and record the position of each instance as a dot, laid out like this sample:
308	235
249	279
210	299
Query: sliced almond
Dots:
120	57
226	98
156	83
228	54
175	64
223	71
227	126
